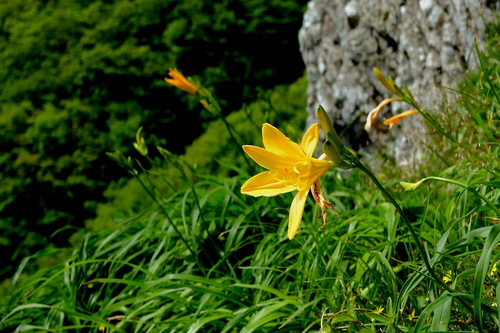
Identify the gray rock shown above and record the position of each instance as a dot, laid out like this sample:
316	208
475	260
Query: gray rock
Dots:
418	43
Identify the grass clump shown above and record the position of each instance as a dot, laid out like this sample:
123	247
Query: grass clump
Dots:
205	258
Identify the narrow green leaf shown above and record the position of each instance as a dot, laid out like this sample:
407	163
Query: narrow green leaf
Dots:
498	299
342	318
481	270
425	314
442	316
265	315
380	318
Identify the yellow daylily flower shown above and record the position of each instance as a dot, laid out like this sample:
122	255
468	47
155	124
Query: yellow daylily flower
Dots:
180	81
397	118
291	167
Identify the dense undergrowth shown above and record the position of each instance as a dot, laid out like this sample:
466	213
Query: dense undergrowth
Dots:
205	258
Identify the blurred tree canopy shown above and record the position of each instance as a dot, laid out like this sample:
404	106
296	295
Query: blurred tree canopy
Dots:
78	77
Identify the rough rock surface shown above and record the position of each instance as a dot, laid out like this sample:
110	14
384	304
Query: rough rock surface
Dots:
420	43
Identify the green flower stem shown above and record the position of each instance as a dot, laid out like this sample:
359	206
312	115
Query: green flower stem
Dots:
407	97
407	222
454	182
155	199
405	219
218	111
432	121
233	137
204	223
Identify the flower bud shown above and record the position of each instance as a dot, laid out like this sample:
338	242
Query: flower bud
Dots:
333	146
324	120
387	83
140	144
410	186
336	154
180	81
124	162
165	153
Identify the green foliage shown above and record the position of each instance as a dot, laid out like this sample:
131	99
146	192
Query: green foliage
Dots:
210	260
238	271
204	258
123	199
79	77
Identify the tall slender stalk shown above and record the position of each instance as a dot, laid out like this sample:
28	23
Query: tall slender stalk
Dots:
230	130
413	234
160	206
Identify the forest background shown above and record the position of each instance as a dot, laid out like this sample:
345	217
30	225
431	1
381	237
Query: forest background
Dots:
79	77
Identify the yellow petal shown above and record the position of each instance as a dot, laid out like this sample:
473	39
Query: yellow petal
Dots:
310	171
303	169
178	80
296	211
319	167
267	159
373	113
277	143
310	140
264	184
397	118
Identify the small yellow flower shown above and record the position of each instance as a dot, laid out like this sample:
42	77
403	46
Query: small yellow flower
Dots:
397	118
411	315
180	81
494	269
378	310
447	277
291	167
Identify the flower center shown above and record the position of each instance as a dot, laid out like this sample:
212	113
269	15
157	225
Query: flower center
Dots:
287	176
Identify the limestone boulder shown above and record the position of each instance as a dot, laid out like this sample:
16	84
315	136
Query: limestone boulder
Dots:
421	44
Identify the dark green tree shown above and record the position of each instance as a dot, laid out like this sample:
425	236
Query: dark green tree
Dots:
79	77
